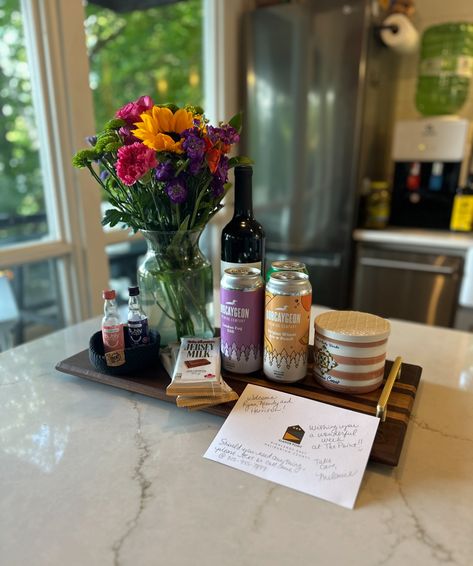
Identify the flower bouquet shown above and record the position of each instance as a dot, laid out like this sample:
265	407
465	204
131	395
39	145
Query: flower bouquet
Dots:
164	170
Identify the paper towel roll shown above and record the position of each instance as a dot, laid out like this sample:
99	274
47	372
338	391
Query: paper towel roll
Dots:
405	39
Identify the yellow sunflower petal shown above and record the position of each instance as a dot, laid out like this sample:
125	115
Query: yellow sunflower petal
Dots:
149	143
182	120
148	122
163	117
139	133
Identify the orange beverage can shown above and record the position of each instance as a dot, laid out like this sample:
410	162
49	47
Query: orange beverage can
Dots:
288	300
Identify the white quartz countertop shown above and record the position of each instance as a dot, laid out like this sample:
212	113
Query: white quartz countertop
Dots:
92	475
416	237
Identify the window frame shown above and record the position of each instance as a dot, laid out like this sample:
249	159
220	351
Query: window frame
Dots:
57	56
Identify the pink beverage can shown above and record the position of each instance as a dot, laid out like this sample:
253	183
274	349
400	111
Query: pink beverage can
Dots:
241	319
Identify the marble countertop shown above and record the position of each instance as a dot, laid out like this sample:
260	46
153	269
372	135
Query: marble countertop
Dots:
416	237
92	475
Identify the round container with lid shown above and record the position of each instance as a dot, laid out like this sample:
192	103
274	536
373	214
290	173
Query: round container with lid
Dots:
350	350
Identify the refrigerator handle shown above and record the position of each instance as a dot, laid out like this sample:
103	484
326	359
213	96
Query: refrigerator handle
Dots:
411	266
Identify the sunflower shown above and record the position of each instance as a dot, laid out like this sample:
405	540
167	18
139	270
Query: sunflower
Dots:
160	129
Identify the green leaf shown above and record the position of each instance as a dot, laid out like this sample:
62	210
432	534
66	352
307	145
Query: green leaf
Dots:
185	223
172	107
112	217
236	121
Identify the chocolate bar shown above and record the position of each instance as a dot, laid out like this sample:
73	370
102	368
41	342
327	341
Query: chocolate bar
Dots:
197	363
197	370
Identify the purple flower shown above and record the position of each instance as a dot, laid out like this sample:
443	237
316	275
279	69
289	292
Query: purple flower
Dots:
193	144
91	140
177	191
126	135
222	169
225	134
104	175
195	166
216	187
164	171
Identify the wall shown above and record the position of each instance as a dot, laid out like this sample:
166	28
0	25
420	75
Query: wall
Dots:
429	12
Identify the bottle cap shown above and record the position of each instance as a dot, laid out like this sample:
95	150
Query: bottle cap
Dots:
133	291
243	169
108	294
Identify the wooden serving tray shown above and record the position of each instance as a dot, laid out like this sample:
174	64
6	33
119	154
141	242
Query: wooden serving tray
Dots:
389	438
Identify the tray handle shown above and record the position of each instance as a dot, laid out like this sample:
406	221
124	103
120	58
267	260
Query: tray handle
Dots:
395	373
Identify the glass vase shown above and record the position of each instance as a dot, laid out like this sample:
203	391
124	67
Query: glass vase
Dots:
175	281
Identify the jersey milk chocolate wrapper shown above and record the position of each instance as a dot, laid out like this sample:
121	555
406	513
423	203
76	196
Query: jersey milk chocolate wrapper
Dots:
197	370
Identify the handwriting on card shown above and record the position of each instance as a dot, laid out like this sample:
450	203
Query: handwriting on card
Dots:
327	470
257	403
336	436
257	460
296	442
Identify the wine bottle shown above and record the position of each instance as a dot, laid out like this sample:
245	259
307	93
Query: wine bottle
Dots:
243	237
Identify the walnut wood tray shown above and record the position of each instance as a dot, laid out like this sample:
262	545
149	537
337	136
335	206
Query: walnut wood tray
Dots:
389	438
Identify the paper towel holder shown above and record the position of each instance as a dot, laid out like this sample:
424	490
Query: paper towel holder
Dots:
380	27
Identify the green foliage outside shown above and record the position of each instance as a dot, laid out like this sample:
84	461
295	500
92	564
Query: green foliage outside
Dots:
21	187
157	52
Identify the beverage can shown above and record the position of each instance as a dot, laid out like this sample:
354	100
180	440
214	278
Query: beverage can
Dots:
241	319
286	265
288	301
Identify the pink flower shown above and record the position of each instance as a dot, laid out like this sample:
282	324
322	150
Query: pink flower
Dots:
131	111
134	161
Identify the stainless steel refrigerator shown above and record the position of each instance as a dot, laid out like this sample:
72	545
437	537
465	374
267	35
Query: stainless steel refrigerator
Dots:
318	118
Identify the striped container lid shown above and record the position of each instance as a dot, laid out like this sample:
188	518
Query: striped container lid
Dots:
353	326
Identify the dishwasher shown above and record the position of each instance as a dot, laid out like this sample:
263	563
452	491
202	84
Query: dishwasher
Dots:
407	284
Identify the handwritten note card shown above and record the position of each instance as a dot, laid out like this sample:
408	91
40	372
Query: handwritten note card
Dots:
302	444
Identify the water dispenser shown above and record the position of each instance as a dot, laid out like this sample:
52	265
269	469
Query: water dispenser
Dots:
431	160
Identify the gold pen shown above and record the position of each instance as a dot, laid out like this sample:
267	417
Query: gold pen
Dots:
381	409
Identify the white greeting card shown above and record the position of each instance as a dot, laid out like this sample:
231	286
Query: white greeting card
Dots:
299	443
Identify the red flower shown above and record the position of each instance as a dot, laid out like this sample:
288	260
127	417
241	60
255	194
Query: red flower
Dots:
134	161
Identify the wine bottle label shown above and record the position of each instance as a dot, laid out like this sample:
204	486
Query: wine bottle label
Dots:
241	321
286	336
138	332
226	264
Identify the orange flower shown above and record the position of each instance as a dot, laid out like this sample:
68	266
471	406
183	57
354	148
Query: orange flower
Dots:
212	155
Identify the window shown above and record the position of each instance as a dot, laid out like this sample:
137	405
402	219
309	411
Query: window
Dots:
23	215
50	228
